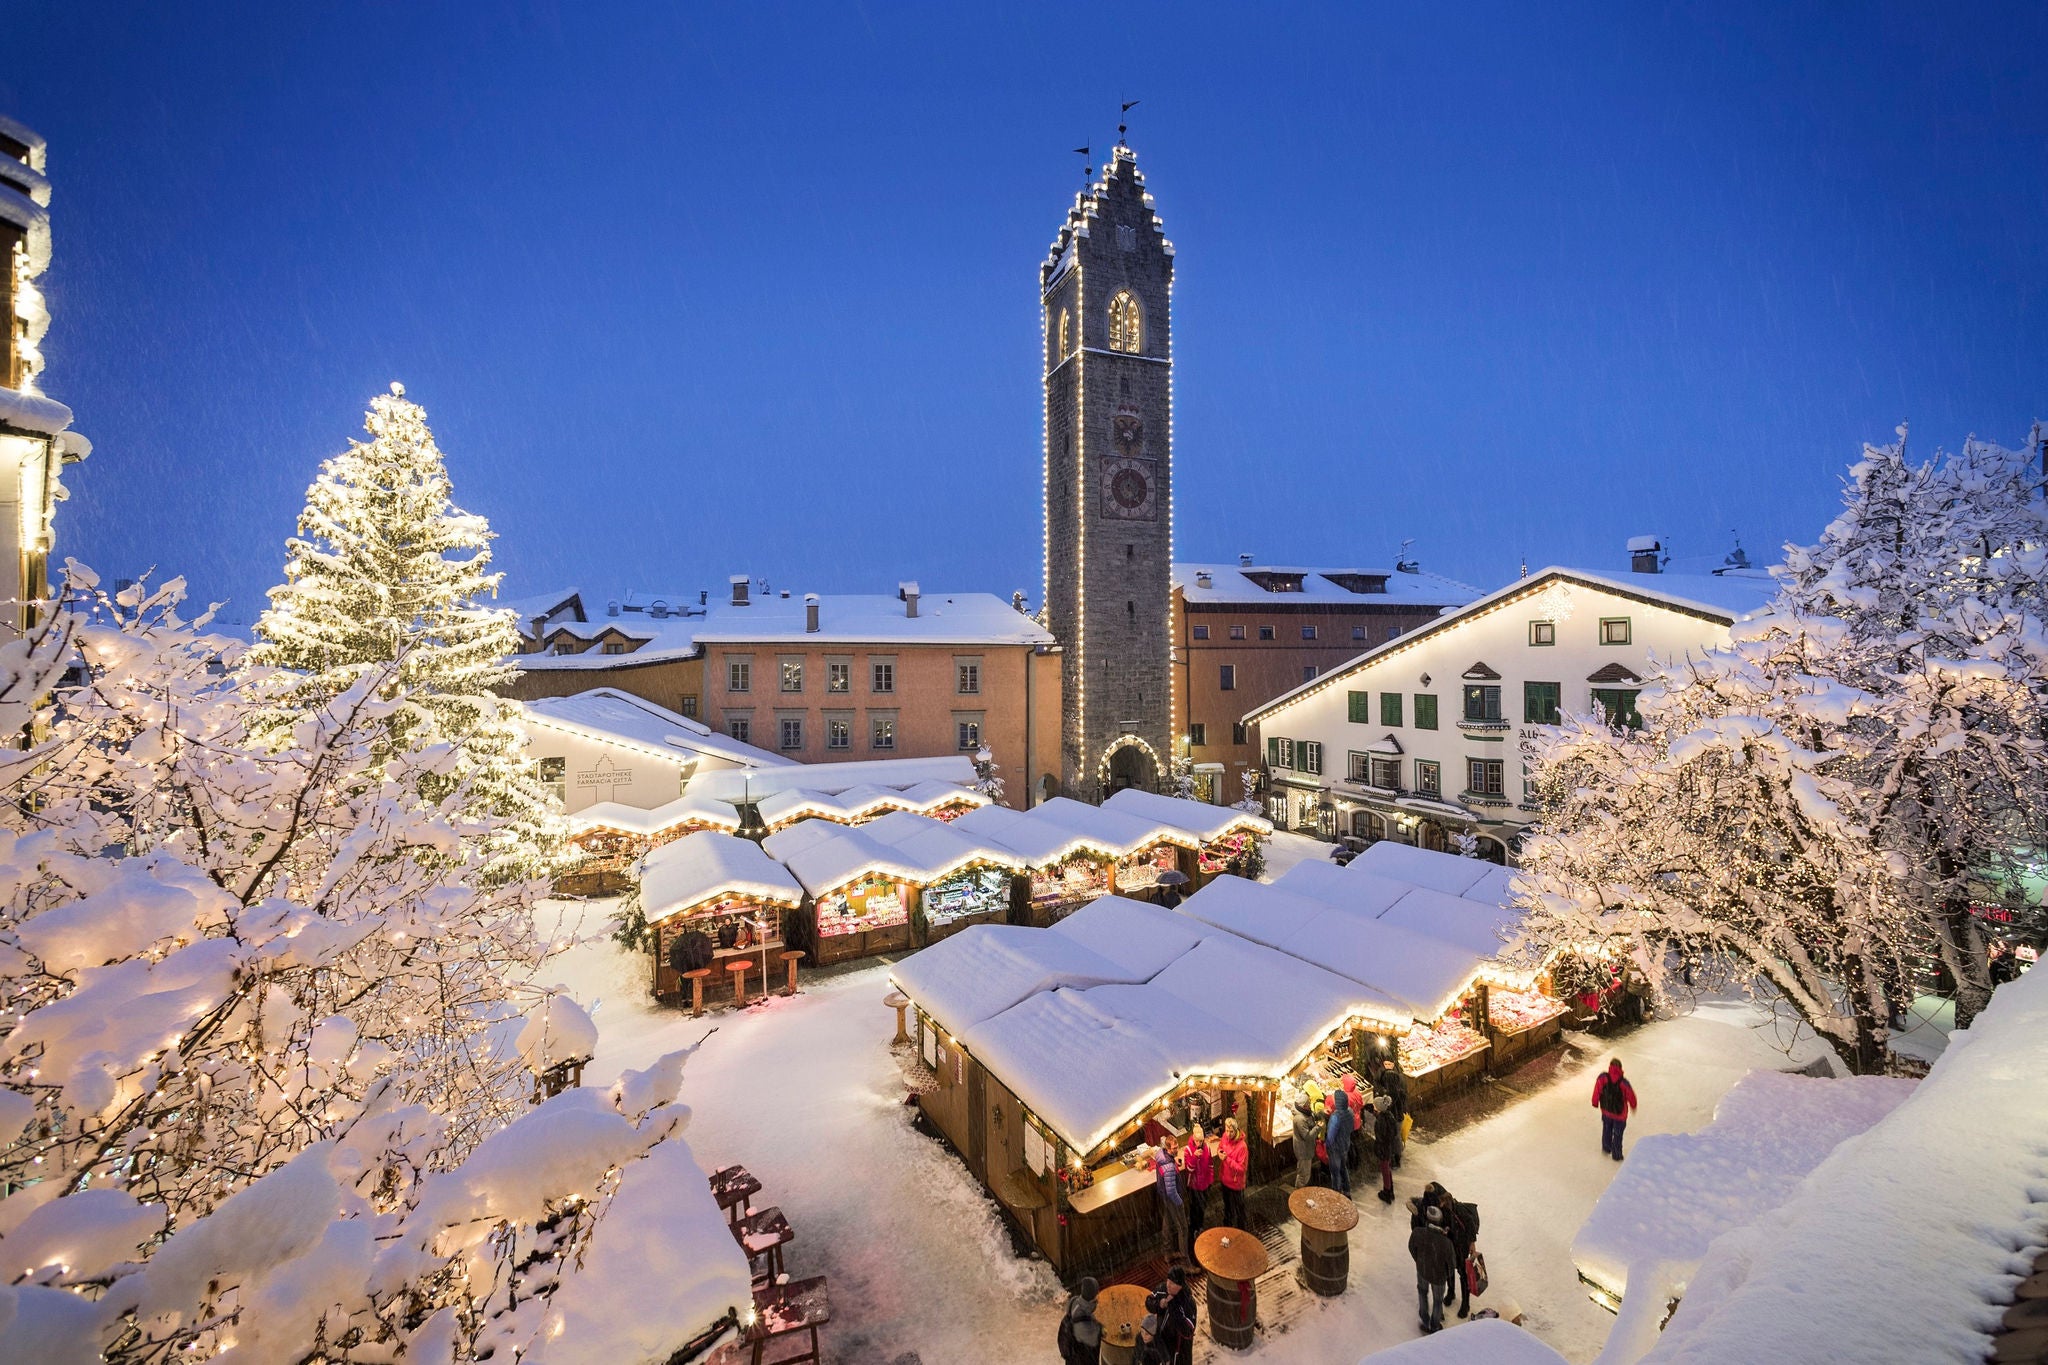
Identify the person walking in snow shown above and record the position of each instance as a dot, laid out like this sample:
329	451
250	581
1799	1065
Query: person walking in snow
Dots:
1307	1132
1386	1138
1337	1141
1080	1338
1435	1264
1235	1167
1198	1173
1173	1209
1615	1098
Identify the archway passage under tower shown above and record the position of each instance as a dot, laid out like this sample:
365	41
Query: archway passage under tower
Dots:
1130	765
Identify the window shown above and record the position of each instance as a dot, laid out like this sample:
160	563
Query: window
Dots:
1308	672
838	677
1279	752
740	728
739	675
1358	632
1482	702
1265	632
689	707
1429	778
1619	705
565	646
792	675
1240	733
1358	707
1392	631
1226	678
1201	632
1386	772
1198	735
791	732
1358	768
1543	632
1482	776
1390	708
882	732
1126	328
1237	632
1308	632
1425	711
1614	630
882	675
838	732
1308	756
1539	703
1066	340
555	772
615	646
969	734
967	677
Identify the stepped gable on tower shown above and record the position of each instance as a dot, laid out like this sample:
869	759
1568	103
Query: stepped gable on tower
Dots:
1106	289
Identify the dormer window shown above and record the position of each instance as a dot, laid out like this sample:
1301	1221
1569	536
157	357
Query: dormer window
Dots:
1126	326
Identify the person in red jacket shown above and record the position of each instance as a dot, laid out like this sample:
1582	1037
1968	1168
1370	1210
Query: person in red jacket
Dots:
1615	1098
1235	1160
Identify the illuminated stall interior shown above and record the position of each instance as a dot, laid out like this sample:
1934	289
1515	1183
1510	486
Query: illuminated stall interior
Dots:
710	898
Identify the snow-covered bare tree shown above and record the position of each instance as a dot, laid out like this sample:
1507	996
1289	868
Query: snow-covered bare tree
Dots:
266	1061
1817	802
387	578
988	779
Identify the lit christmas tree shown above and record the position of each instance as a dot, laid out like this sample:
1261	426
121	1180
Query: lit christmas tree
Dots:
388	574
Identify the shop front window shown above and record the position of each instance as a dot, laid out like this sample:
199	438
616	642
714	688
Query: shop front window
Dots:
984	891
863	906
1079	878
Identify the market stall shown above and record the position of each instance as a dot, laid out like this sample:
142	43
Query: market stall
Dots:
1520	1023
860	892
958	879
1445	1059
1066	868
1140	847
1227	839
979	895
606	838
709	899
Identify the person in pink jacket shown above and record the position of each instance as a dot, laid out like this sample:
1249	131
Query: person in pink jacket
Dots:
1198	1167
1615	1098
1235	1159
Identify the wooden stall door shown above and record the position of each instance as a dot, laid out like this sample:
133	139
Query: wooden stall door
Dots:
977	1123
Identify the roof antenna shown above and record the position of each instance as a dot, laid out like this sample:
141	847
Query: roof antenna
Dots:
1087	171
1122	126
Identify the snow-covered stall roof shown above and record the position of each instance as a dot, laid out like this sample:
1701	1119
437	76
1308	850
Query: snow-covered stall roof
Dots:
858	803
900	845
1252	910
691	808
1344	887
1483	1341
1481	926
707	865
936	849
1445	872
1199	819
1039	842
832	779
1902	1244
1288	1005
1120	830
608	714
981	971
1088	1061
1136	935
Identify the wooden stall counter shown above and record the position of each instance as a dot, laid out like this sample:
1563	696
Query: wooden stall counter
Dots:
1112	1182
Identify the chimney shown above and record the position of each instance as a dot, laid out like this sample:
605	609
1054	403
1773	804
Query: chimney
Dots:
908	592
611	608
1202	580
1244	561
810	613
785	594
703	597
1644	554
740	583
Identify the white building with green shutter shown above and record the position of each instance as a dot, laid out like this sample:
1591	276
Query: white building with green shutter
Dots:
1429	734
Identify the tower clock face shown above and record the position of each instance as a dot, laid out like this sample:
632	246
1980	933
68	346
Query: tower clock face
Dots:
1128	489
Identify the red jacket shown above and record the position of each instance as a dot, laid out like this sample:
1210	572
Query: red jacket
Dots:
1201	1171
1357	1101
1235	1158
1613	1096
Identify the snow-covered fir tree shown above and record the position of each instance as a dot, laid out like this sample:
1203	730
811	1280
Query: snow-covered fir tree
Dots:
266	1058
387	576
988	778
1819	802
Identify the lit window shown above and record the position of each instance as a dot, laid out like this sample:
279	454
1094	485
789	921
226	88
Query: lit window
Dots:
555	772
1482	703
838	733
689	703
1126	329
1429	780
838	677
970	735
970	680
882	732
792	675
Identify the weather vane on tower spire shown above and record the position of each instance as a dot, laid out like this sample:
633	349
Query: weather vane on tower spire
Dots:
1122	126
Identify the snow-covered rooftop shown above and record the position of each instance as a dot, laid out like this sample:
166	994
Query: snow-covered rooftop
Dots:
900	845
691	808
1200	819
1266	584
1902	1244
706	865
980	972
1137	935
620	717
832	779
860	802
1419	866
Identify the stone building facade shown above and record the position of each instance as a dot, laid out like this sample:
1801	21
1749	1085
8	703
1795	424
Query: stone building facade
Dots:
1106	290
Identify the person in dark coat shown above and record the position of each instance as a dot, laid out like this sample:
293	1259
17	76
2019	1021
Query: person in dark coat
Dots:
1615	1098
1178	1320
1435	1264
1386	1140
1173	1209
1306	1133
1461	1225
1337	1141
1080	1332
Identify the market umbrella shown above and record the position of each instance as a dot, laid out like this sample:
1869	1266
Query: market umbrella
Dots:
1173	877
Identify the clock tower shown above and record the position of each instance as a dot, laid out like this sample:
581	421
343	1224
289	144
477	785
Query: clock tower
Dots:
1106	290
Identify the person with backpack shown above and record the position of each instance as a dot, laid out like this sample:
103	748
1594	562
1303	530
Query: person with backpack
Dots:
1615	1098
1461	1225
1337	1141
1433	1257
1080	1339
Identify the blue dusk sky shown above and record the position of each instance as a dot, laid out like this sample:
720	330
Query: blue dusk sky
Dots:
692	290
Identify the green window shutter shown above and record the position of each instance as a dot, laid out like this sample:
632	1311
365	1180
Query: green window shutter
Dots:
1390	708
1361	713
1539	703
1425	711
1272	752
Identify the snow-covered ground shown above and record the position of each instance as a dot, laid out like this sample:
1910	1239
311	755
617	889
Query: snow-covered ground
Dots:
806	1094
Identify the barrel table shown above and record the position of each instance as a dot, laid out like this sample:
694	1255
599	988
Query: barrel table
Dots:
1326	1219
1232	1259
1120	1309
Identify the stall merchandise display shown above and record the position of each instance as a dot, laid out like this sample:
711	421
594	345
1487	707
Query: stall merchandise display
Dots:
1141	870
871	905
1219	855
1512	1011
1448	1041
970	893
1075	879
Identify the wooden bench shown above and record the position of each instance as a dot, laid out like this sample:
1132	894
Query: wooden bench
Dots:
762	1235
732	1188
